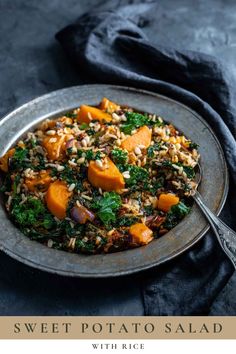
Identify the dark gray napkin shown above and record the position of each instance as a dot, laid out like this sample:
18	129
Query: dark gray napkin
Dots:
110	47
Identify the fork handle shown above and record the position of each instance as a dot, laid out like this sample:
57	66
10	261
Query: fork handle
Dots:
225	235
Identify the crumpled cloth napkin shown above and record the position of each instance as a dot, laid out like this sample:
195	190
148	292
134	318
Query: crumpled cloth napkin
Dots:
109	46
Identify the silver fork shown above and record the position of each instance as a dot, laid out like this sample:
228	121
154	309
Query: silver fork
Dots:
225	235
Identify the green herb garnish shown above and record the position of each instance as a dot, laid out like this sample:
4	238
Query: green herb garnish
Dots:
152	148
126	221
84	126
89	154
31	213
69	175
107	207
176	213
71	115
148	210
137	175
41	163
20	159
119	156
193	146
187	169
15	183
134	120
153	186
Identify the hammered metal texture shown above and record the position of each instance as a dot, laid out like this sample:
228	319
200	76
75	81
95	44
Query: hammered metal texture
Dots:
214	186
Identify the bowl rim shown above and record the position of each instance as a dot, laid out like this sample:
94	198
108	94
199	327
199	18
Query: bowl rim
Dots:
70	273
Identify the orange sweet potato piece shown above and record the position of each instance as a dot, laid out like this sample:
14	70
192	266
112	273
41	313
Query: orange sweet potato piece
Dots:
55	149
108	106
141	234
142	137
41	182
57	198
166	201
88	113
4	160
109	179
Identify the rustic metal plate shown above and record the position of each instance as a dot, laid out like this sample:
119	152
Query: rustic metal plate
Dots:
214	186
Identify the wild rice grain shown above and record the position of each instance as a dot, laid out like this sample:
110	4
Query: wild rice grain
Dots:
99	164
51	132
87	138
81	160
123	118
71	243
89	116
50	243
72	163
126	174
52	140
137	151
115	117
84	143
86	196
72	187
118	142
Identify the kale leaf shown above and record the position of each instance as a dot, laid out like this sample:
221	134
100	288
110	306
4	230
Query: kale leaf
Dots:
107	207
138	175
187	169
134	120
84	126
41	163
126	221
180	210
119	156
193	146
176	213
71	115
148	210
15	183
69	175
89	154
20	159
31	213
152	148
153	186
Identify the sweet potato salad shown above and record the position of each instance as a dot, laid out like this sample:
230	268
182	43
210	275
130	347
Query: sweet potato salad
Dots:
99	179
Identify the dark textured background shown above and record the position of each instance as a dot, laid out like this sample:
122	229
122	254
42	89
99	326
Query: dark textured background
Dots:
31	64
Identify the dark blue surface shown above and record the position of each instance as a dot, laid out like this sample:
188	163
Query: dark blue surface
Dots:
32	63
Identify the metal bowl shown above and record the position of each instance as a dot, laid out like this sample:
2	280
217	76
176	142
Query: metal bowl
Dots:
214	186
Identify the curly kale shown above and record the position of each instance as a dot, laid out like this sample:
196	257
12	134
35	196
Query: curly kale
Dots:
89	154
32	213
134	120
119	156
20	159
152	148
107	207
176	213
